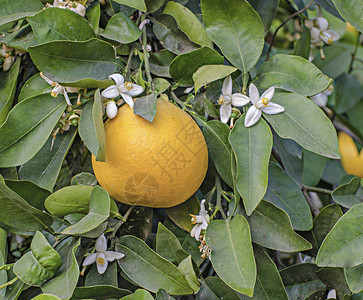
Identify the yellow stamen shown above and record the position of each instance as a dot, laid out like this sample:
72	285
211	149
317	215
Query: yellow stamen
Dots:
265	102
53	94
101	261
330	41
221	100
194	219
129	85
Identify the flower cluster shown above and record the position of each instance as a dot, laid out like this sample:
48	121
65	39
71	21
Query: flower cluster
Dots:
7	55
320	33
259	104
71	5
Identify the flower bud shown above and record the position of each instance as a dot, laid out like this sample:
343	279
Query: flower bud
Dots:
111	109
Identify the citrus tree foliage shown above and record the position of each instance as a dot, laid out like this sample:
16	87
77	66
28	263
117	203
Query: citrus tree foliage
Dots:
280	212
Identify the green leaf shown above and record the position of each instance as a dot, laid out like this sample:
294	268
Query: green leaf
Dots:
348	93
269	283
349	194
38	265
283	192
121	29
271	228
142	295
91	128
216	288
3	258
188	23
8	82
35	85
315	133
351	11
108	278
171	37
138	4
160	61
54	24
302	47
354	278
185	65
210	73
325	221
240	39
186	267
15	10
99	211
84	178
342	246
23	137
160	85
168	246
44	168
93	14
17	213
301	281
141	263
21	39
46	297
66	280
334	277
292	73
232	254
314	166
252	148
102	292
146	107
80	64
267	11
180	214
153	5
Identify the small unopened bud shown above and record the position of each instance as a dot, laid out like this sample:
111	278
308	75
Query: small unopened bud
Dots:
111	109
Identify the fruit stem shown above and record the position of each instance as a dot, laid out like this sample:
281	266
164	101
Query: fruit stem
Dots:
146	54
318	190
120	222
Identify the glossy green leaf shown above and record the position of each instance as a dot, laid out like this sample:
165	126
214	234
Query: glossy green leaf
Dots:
23	137
232	253
188	23
180	214
171	37
271	228
46	297
267	11
85	64
163	295
153	5
216	288
8	82
35	85
351	11
269	283
40	264
121	29
329	6
93	14
186	267
315	133
54	24
240	38
43	169
84	178
354	278
108	278
342	246
160	85
141	263
168	246
325	221
91	128
17	213
21	38
209	73
185	65
3	257
314	166
160	61
252	148
349	194
302	47
348	92
146	107
99	211
334	277
102	292
138	4
292	73
283	192
15	10
66	279
142	295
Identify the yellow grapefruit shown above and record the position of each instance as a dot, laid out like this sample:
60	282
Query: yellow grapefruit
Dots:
158	164
352	161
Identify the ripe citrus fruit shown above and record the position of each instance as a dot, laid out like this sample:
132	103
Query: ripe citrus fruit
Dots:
352	161
158	164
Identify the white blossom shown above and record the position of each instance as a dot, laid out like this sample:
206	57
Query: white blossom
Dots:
320	33
111	109
201	221
321	99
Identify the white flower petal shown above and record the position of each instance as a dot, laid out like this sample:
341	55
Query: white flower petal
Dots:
269	93
202	208
315	35
66	96
227	86
102	268
128	99
254	94
45	78
101	243
117	78
111	109
273	109
322	23
334	35
252	116
110	92
332	294
192	232
90	259
240	99
111	255
204	225
197	232
320	99
136	90
225	112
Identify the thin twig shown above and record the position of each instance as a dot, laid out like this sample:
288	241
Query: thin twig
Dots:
8	283
128	65
123	220
283	23
146	54
317	190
